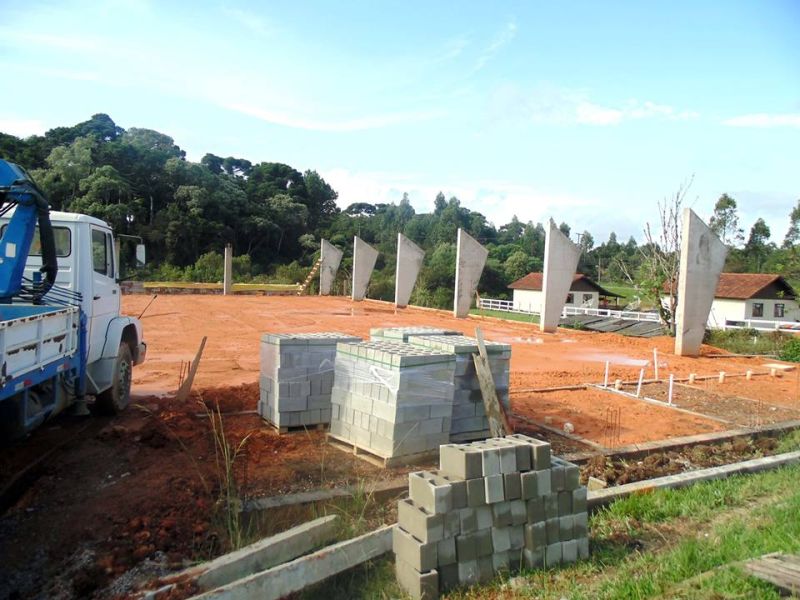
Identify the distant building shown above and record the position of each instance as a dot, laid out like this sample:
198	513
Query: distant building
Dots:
752	296
583	292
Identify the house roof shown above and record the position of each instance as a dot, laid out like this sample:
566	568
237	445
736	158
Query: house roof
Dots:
533	282
742	286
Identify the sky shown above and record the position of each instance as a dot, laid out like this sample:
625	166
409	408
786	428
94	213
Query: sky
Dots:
587	112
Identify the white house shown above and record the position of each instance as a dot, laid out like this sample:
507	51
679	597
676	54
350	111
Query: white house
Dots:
752	296
583	292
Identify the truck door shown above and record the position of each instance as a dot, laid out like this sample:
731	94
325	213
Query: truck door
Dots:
105	290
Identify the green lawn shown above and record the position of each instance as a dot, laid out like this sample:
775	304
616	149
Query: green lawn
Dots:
509	316
683	543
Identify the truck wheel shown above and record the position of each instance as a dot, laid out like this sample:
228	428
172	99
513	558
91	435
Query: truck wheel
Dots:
116	398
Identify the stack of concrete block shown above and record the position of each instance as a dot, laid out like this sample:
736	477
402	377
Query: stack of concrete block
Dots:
497	505
392	399
297	377
469	415
401	334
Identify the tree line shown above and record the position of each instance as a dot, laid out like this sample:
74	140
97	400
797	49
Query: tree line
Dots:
274	216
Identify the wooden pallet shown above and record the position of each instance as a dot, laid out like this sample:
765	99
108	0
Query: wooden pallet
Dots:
781	570
295	428
380	461
469	436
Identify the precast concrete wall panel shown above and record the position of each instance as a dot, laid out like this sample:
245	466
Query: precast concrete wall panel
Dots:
560	262
470	260
409	262
702	260
364	258
227	271
331	258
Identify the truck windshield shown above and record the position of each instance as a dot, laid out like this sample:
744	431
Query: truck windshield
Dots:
62	236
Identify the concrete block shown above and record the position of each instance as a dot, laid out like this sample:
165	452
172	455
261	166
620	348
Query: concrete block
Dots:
552	555
581	524
470	260
420	586
485	517
501	514
569	551
513	486
446	551
533	559
490	461
529	482
409	262
468	571
452	524
468	518
566	530
448	577
458	490
702	259
572	477
560	261
535	535
227	271
551	506
460	462
579	496
564	503
519	512
517	537
419	555
483	542
500	561
553	528
364	258
583	547
485	568
432	493
466	547
423	525
494	488
476	492
557	478
536	511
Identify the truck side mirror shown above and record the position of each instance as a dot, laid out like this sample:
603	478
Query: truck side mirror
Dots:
140	255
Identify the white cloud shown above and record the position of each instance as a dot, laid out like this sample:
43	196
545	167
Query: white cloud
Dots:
501	39
343	125
247	19
60	42
548	104
764	120
22	128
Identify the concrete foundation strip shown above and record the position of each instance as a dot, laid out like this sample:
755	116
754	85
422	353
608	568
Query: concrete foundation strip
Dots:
301	573
555	430
261	555
600	498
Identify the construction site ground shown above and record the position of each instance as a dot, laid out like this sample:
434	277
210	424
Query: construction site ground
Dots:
121	500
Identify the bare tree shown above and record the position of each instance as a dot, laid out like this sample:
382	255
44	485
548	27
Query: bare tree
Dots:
661	255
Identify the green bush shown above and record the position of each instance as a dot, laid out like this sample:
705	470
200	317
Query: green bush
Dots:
791	350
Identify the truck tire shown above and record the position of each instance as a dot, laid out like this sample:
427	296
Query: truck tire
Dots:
116	398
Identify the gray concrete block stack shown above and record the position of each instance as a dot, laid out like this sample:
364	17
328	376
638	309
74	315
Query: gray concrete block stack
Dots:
297	377
497	505
469	415
401	334
392	399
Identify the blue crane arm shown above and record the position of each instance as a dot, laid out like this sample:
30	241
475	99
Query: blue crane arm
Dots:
18	189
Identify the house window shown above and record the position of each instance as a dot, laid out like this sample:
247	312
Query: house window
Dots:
570	299
587	298
779	308
758	309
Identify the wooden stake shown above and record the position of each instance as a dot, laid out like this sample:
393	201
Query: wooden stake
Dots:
671	385
498	421
655	362
605	377
186	386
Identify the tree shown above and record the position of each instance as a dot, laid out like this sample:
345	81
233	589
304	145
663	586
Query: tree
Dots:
793	235
756	248
725	221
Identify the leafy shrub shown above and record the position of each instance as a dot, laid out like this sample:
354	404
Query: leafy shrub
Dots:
791	350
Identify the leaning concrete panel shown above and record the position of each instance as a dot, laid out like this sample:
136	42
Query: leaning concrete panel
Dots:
409	262
560	261
702	260
364	257
470	260
331	258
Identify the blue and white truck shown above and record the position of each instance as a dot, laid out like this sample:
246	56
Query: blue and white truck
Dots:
63	341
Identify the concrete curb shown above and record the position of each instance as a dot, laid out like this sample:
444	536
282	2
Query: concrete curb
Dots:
600	498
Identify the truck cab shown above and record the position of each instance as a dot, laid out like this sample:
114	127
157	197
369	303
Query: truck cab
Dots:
88	275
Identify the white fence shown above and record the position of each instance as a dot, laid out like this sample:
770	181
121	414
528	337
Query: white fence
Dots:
508	306
763	325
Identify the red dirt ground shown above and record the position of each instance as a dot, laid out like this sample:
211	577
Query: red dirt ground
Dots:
138	492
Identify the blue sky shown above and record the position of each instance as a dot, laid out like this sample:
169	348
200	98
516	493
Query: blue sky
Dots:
589	112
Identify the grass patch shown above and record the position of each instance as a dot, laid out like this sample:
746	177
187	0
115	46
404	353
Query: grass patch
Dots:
508	316
748	341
